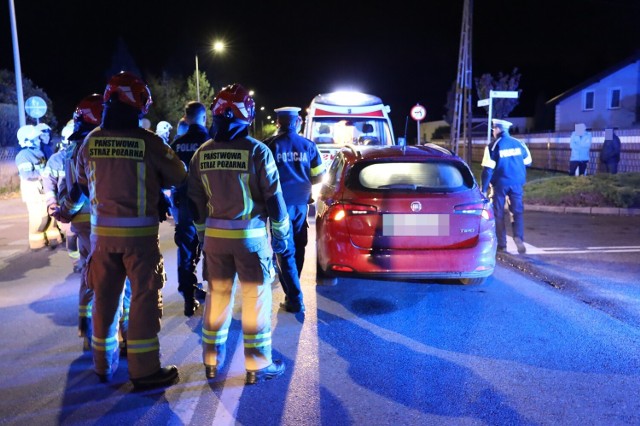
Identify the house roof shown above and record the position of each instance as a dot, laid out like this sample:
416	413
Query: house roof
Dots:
596	78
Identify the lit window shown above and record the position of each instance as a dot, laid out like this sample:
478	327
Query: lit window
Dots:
588	100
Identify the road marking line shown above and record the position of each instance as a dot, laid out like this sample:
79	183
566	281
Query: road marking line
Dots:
511	247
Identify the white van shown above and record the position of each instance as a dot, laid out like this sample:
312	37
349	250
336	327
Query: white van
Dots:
340	118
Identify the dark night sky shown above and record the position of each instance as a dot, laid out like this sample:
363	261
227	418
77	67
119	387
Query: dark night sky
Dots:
403	52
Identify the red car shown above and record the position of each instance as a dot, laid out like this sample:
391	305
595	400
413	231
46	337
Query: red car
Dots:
412	212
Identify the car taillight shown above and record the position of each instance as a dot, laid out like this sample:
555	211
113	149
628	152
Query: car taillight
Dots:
481	209
339	211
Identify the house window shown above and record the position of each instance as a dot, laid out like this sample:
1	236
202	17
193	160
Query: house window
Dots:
614	98
588	99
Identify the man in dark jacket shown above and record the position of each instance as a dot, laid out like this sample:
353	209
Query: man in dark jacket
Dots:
186	235
300	166
610	154
504	167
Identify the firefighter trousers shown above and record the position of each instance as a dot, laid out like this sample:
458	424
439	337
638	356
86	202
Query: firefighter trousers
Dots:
252	263
106	274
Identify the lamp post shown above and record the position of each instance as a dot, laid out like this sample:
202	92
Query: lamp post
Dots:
217	47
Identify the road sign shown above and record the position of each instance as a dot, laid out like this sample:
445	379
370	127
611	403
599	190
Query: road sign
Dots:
418	112
504	94
484	102
35	106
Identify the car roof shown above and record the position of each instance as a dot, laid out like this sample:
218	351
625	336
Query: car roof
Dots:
357	153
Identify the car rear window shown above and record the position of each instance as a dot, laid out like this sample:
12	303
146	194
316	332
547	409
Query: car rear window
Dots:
433	176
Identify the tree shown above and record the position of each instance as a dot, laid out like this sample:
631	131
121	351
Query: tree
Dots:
502	107
206	91
168	94
9	122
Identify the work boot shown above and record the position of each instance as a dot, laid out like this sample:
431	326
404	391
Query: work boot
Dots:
191	305
292	307
271	372
521	248
210	371
166	376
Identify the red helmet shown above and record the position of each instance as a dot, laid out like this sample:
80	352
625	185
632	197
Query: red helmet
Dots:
234	102
130	90
89	110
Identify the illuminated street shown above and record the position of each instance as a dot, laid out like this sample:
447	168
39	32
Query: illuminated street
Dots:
512	351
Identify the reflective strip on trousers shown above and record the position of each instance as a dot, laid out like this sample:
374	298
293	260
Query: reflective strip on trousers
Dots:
104	231
257	340
142	346
104	345
85	311
215	337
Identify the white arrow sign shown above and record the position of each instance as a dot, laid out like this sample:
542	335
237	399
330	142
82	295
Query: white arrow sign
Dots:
484	102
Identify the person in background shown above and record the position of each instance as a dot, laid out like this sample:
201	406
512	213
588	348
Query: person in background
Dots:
300	166
53	176
163	129
234	188
126	167
610	153
186	235
580	144
504	166
181	128
31	163
47	146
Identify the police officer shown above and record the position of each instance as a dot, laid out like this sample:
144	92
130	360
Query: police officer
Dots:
504	167
300	166
234	187
186	235
123	169
31	163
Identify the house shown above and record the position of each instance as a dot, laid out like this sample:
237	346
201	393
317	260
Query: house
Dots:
609	99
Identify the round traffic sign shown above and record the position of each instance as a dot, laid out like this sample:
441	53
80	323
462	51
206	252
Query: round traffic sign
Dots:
418	112
35	106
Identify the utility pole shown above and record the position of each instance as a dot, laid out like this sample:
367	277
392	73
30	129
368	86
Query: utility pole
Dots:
16	63
462	113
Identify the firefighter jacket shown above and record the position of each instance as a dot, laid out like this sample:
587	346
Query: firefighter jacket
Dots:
53	175
504	162
31	163
124	172
299	165
74	204
235	187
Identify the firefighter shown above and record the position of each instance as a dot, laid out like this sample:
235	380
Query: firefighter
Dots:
53	176
123	169
504	166
46	146
31	163
234	187
74	206
300	166
186	235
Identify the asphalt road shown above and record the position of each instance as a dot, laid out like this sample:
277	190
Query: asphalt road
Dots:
515	350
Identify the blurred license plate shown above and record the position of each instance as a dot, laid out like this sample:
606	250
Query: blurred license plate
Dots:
415	225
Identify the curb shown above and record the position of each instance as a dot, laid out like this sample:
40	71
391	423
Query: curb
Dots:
612	211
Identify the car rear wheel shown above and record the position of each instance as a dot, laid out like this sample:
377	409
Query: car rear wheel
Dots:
473	281
324	279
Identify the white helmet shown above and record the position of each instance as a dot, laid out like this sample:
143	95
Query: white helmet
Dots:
163	127
66	132
27	136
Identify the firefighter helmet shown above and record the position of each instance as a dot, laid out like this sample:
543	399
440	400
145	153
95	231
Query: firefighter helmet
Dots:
89	110
130	90
163	127
234	103
28	135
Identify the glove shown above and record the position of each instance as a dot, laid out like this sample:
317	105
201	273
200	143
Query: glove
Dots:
163	207
278	245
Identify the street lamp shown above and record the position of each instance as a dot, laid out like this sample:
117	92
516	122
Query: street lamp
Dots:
217	47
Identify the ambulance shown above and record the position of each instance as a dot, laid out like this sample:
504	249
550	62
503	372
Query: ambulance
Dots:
340	118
